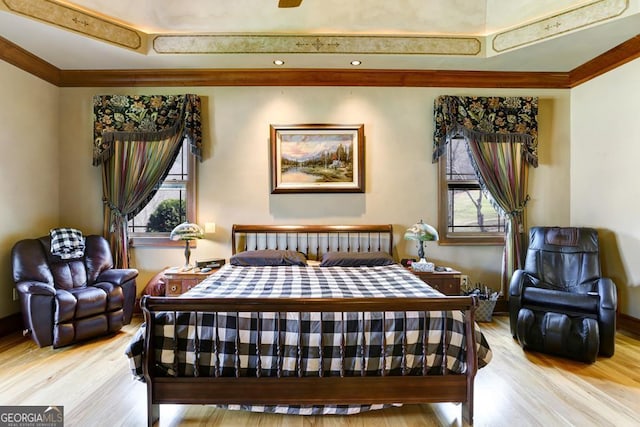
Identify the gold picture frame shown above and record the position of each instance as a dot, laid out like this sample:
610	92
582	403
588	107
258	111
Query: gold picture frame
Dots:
317	158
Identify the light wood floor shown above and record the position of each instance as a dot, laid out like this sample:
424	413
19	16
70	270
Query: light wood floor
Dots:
93	383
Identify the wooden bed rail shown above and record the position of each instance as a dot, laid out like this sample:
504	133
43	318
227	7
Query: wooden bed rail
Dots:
310	390
155	304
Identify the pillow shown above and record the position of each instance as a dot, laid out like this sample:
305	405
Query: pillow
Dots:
356	259
265	257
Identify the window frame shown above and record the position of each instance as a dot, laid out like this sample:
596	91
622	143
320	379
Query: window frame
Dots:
447	237
158	239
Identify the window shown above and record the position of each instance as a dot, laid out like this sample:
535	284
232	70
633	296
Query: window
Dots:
466	215
173	203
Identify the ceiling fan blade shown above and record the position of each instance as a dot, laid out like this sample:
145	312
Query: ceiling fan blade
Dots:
289	3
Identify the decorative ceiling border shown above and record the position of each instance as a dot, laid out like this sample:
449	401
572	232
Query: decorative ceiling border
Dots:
551	26
268	43
73	19
98	27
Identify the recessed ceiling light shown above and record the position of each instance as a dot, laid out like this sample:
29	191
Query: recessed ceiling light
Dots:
355	62
278	62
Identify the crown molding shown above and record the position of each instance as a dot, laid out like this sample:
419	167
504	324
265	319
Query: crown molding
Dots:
26	61
30	63
613	58
312	77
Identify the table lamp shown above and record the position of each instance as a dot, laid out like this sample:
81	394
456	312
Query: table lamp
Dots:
187	231
421	233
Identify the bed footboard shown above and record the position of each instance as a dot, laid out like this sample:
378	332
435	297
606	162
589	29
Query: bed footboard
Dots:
322	389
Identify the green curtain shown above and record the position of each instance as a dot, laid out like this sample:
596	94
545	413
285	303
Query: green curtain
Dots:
502	138
136	140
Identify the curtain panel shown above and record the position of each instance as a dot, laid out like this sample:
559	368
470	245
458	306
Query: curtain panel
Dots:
487	119
144	118
504	175
136	140
130	178
502	137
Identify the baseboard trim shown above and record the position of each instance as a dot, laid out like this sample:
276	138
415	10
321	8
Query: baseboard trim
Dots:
10	324
502	306
137	308
629	323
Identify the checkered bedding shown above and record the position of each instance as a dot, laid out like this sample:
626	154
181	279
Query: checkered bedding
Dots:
364	333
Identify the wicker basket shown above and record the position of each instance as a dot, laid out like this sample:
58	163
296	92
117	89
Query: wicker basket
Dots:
485	310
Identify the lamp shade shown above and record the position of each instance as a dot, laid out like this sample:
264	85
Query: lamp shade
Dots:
187	231
421	232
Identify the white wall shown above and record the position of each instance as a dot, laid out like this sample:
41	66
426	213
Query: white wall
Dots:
29	166
605	156
233	180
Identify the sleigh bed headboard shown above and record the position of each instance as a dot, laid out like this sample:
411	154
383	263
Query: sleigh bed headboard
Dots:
313	240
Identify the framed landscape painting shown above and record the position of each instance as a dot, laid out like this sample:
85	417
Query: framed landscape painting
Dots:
317	158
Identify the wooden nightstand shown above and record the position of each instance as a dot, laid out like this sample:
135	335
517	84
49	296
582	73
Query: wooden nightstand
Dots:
447	282
179	282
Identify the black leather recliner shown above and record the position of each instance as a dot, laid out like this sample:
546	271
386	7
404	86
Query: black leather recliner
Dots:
559	302
64	301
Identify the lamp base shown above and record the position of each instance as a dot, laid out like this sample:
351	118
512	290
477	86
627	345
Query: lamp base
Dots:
187	255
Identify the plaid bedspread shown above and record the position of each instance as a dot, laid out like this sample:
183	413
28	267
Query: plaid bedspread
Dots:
365	334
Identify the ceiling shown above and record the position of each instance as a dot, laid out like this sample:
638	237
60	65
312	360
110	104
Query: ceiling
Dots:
483	35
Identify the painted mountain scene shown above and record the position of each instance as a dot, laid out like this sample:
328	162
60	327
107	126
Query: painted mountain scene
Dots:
316	157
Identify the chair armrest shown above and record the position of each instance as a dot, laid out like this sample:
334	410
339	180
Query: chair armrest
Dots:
607	315
607	293
517	283
36	288
117	276
515	294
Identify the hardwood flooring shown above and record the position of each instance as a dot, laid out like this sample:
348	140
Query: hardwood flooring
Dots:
93	383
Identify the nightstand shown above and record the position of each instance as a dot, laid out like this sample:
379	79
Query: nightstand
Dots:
447	282
179	282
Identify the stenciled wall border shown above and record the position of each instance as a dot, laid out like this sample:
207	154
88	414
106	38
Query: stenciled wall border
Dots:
555	25
111	31
267	43
76	20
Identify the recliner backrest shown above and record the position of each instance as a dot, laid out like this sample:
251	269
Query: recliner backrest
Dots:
32	260
564	258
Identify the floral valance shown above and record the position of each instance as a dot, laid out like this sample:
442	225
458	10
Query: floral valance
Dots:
488	119
144	118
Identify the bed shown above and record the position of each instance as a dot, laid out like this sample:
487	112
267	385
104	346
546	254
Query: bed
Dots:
342	331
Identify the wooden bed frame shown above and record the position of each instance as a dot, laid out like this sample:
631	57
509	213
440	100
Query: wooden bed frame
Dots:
301	390
313	240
